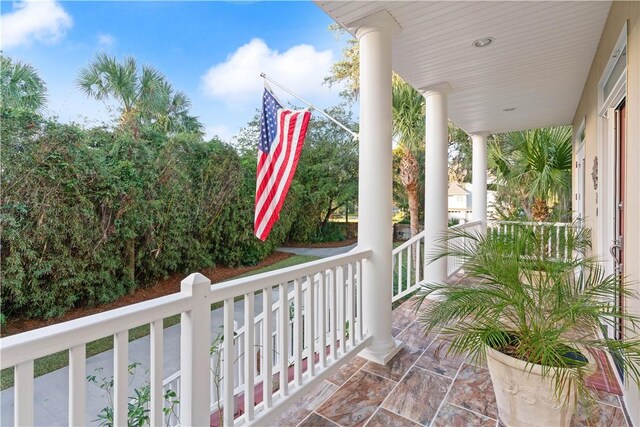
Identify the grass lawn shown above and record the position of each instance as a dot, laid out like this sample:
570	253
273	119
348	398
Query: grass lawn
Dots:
59	360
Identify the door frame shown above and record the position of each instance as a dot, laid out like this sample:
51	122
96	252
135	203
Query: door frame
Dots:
579	211
607	134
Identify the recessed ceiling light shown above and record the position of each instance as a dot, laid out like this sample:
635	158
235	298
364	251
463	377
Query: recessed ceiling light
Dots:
483	42
509	109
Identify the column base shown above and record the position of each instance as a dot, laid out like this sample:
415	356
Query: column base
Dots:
381	356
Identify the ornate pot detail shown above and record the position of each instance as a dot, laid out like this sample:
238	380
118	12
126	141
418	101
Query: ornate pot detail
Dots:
524	397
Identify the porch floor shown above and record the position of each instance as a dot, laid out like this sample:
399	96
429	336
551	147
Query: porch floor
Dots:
419	386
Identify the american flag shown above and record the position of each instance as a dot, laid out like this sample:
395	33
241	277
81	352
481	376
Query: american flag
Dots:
281	139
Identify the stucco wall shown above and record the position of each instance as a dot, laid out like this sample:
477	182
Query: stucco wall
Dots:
620	13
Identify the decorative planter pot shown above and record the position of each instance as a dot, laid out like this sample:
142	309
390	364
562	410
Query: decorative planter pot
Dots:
524	397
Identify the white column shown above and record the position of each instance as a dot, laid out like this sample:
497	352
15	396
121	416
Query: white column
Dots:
436	178
479	178
375	181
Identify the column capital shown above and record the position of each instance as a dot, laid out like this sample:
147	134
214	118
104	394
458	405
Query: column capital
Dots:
482	134
442	88
381	20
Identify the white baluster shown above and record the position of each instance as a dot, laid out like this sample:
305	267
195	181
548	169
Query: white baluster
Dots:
400	272
418	244
333	313
77	385
23	394
156	373
120	378
284	339
297	331
394	265
249	358
341	308
359	298
267	349
322	319
350	306
310	332
409	256
228	398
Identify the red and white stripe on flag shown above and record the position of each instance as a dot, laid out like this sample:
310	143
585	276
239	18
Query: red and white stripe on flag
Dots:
277	167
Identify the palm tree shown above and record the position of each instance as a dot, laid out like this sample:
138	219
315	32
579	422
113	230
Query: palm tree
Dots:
144	96
22	88
174	116
535	167
408	108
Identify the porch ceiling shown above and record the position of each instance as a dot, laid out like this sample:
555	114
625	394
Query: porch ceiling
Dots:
538	62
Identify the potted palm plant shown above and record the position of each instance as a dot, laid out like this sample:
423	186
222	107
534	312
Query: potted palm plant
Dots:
536	331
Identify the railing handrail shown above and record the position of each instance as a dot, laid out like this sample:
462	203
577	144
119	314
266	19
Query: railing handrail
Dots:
41	342
541	223
420	235
232	288
467	224
408	243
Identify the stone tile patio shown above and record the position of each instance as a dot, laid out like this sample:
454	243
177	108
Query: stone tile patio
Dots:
420	386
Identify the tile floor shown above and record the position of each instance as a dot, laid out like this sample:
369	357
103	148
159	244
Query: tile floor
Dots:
419	387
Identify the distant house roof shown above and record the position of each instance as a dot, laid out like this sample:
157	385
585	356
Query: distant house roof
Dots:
457	190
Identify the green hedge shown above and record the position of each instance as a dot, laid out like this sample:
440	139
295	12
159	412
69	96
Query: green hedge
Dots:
87	216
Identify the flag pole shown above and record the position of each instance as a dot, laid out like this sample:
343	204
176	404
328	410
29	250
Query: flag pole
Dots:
353	134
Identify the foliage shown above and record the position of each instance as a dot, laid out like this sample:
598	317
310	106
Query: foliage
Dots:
533	168
346	70
326	178
89	215
529	306
408	110
20	86
138	405
460	154
409	132
137	413
144	95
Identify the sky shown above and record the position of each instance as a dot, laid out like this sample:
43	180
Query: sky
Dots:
211	50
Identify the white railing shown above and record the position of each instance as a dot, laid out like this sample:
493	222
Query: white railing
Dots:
409	262
286	352
554	238
20	351
455	264
298	340
408	266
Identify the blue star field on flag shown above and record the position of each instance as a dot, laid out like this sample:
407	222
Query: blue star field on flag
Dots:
269	124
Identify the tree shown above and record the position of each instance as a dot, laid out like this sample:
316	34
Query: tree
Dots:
174	117
346	70
533	168
22	88
144	96
460	154
409	126
327	175
329	164
408	107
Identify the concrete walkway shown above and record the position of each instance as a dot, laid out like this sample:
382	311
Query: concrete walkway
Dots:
318	252
52	389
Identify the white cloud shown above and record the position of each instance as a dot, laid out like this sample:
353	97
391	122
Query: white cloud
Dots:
221	131
237	81
106	40
43	20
